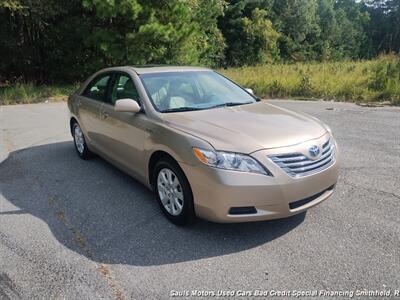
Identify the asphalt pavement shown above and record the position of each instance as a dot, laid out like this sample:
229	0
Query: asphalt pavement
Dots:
79	229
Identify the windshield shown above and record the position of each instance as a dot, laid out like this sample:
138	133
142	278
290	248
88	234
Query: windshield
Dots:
192	90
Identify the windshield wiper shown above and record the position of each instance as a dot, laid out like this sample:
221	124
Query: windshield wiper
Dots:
230	104
180	109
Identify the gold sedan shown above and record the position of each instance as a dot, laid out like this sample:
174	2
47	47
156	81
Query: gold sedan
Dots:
206	146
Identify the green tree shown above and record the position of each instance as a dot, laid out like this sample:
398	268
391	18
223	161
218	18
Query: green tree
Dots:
260	39
164	32
297	22
250	36
383	30
53	40
40	38
330	30
352	20
127	31
209	39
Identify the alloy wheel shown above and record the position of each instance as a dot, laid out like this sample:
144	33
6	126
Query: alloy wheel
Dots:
78	138
170	191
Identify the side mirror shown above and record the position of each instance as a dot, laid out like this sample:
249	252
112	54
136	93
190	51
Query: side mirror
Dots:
127	105
250	91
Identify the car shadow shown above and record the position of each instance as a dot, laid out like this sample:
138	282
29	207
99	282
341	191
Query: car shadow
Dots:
96	210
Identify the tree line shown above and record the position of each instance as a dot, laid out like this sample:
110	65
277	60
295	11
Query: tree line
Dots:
47	41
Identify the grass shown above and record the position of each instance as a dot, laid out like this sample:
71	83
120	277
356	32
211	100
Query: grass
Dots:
375	80
29	93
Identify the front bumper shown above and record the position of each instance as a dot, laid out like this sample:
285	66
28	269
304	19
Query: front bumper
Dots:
217	191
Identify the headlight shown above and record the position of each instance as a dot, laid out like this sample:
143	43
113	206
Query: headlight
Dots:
230	161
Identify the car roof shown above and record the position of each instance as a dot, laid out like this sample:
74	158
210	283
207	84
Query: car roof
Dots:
147	69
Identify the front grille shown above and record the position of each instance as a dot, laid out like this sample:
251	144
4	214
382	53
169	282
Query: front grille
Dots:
298	165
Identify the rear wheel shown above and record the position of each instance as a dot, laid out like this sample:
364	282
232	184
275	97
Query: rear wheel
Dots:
80	142
173	192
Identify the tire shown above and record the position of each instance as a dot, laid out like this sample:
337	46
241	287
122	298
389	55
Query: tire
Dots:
80	142
179	190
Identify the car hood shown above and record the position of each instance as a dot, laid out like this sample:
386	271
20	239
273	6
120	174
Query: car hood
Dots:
247	128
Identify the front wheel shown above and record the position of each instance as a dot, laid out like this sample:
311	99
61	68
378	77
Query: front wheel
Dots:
173	192
80	142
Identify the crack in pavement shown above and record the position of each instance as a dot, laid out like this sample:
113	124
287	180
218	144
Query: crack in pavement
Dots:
8	289
371	189
81	241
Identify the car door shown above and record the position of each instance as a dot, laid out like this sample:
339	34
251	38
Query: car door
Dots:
90	103
124	132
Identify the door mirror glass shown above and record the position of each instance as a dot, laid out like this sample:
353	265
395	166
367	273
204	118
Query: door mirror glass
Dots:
127	105
249	91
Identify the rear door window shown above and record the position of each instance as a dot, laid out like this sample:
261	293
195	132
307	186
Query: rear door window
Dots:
123	88
97	89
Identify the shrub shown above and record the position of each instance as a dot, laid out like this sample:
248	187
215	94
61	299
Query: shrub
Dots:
305	86
373	80
20	93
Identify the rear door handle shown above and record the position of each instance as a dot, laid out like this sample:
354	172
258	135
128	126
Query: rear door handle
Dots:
104	115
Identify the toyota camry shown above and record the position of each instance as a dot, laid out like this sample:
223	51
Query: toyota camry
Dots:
206	146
